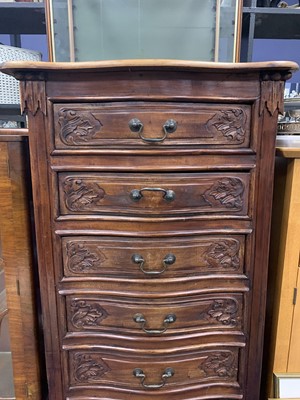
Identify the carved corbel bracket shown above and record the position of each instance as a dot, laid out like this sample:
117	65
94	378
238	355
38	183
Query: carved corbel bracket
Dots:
272	87
33	96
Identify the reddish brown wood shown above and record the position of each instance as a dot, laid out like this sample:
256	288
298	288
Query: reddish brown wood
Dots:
106	289
17	265
101	314
88	256
98	194
107	124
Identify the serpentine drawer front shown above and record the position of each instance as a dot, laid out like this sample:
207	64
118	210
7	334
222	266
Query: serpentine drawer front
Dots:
144	372
152	187
137	124
153	194
140	258
94	313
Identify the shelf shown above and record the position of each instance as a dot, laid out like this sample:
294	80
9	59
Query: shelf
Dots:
288	146
273	23
22	18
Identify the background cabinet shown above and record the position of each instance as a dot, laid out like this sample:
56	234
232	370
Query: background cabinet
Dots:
270	33
18	335
23	25
283	353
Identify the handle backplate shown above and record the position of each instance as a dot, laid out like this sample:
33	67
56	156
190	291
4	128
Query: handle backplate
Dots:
169	259
140	319
139	373
136	126
137	194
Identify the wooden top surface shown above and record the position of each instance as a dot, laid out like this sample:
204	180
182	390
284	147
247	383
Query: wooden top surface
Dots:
288	146
288	152
13	67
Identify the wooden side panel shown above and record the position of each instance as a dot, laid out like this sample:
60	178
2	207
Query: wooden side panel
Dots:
291	277
18	266
288	264
282	336
260	257
41	200
294	356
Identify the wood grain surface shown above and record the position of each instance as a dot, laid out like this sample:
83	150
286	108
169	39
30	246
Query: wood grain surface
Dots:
110	209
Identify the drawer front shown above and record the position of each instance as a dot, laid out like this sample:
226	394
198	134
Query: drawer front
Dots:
98	369
215	312
143	124
146	257
160	195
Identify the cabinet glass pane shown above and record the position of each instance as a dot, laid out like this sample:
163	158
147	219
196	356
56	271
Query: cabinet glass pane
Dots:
60	32
228	31
133	29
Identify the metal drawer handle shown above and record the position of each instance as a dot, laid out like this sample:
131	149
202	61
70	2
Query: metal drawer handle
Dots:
140	319
137	194
139	373
168	260
136	126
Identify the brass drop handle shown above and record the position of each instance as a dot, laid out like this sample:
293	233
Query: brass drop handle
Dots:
139	373
168	260
140	319
136	126
137	194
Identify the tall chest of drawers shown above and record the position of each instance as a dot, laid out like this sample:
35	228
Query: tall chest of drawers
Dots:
152	187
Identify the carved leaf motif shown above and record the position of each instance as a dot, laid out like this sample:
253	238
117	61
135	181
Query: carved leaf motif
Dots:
222	310
223	254
87	314
222	364
82	260
80	195
231	124
77	127
272	94
33	96
227	191
89	367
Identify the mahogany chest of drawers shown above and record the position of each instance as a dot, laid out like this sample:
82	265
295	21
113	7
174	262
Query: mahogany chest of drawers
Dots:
152	186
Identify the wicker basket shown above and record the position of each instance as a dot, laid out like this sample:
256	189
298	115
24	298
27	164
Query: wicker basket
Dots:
9	86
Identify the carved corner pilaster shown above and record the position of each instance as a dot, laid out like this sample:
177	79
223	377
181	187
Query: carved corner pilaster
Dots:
272	88
271	96
33	96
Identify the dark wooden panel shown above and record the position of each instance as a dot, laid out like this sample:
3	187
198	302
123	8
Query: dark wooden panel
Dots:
133	316
189	393
139	258
107	124
190	160
150	85
137	194
98	369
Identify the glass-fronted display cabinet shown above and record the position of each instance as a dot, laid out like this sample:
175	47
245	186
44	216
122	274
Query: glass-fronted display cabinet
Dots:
88	30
